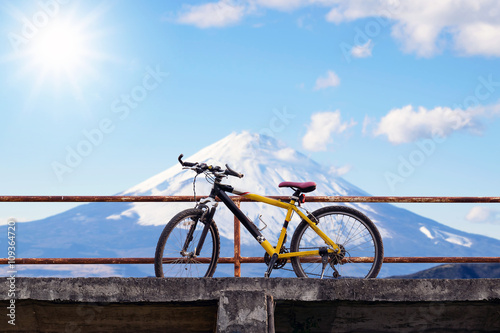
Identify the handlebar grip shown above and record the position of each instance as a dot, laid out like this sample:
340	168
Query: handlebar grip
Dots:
187	164
231	172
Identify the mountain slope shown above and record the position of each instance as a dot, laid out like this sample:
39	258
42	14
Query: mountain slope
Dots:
457	271
132	229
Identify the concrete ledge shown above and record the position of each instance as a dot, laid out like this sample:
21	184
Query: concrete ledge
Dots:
122	290
252	305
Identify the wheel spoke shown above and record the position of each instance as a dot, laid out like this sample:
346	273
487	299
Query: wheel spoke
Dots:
171	245
352	231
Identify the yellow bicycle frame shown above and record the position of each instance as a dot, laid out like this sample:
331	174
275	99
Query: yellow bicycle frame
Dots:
290	207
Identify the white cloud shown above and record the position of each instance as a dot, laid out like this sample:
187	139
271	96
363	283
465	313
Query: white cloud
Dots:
323	126
479	214
229	12
477	39
330	80
213	14
363	51
286	154
334	16
407	124
425	27
340	171
6	220
81	270
285	5
368	123
289	5
304	22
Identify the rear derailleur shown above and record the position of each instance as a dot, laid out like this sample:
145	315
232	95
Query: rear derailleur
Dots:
334	258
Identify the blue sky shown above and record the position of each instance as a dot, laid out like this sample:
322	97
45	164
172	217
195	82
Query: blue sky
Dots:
399	97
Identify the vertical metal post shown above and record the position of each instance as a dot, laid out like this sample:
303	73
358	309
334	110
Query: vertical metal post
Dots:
237	256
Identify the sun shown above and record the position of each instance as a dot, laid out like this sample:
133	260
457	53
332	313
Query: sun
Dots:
61	51
61	47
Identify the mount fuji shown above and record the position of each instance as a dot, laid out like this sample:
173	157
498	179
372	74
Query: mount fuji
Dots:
132	229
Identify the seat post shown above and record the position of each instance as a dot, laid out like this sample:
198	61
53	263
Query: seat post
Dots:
296	195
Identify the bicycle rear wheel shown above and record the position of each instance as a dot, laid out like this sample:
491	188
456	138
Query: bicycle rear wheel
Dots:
170	258
356	236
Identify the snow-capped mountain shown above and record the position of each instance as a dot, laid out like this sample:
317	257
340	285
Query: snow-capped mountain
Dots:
132	229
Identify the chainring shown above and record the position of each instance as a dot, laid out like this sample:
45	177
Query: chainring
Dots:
280	263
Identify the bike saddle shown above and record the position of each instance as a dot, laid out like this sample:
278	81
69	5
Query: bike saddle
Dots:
303	187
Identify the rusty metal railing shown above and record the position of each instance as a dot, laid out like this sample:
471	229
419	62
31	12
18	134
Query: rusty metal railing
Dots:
237	259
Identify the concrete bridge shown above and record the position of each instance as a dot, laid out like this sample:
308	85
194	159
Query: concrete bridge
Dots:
250	305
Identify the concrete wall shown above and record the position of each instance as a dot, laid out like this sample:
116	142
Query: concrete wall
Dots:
252	305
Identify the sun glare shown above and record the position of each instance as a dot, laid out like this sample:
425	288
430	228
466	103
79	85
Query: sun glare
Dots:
60	47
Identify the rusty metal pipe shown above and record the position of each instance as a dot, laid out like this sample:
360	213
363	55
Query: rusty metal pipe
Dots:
244	260
237	260
186	198
237	245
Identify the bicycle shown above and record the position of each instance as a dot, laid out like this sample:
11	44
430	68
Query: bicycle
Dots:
348	245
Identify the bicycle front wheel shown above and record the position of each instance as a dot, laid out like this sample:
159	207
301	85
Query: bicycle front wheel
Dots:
175	253
354	233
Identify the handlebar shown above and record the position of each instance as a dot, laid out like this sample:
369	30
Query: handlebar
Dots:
186	164
202	167
231	172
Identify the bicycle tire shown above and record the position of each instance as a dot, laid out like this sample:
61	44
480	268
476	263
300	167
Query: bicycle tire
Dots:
347	227
169	260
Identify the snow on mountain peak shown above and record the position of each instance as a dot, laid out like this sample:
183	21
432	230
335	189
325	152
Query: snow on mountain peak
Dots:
246	146
263	160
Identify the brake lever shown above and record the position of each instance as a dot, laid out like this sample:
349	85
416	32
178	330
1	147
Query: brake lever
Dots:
220	174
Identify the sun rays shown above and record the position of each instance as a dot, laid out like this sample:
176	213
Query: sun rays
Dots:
57	48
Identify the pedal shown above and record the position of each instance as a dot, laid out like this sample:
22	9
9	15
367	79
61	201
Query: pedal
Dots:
323	251
273	260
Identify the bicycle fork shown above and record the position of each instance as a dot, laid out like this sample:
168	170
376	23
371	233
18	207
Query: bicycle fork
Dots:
207	216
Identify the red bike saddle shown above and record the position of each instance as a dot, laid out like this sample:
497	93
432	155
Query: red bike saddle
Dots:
303	187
